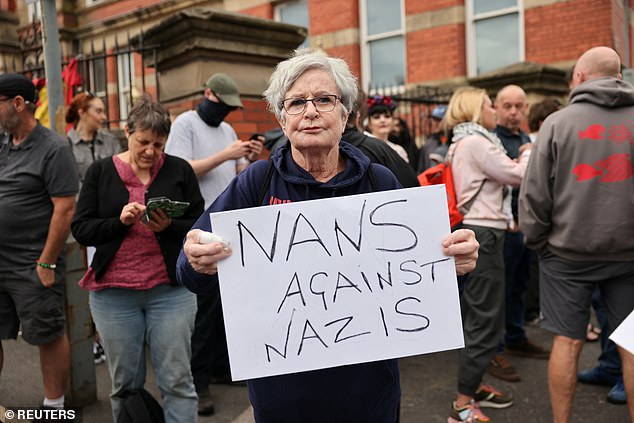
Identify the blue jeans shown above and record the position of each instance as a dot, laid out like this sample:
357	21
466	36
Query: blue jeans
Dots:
517	264
609	360
162	317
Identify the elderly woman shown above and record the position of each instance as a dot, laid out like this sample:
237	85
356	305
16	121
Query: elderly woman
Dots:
311	96
134	298
89	142
481	171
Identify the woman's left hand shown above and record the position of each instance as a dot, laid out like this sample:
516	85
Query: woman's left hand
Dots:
159	221
463	246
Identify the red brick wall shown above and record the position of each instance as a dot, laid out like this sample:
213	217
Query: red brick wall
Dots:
436	53
253	118
332	15
421	6
351	54
562	31
117	8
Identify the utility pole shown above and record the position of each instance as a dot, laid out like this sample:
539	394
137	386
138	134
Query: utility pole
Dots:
52	65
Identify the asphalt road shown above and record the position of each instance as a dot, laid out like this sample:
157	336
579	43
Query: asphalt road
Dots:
428	384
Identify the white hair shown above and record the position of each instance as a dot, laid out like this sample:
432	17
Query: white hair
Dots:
288	71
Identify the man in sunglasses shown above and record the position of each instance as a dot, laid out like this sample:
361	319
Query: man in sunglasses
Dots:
38	184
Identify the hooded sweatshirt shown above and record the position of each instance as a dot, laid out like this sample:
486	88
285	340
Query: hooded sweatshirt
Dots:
577	198
367	392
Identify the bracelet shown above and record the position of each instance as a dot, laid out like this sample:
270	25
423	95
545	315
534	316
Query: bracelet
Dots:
46	265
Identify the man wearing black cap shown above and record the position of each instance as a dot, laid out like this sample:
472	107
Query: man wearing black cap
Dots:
38	184
214	151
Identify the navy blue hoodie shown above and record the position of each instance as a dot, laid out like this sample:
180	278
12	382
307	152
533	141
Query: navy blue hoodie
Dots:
360	393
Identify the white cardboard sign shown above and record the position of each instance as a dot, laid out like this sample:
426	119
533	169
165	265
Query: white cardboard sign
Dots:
324	283
624	334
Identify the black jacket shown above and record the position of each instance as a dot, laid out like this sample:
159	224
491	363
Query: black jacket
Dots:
104	194
379	152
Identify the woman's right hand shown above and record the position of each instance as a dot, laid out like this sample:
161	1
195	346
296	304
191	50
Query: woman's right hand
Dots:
204	257
131	213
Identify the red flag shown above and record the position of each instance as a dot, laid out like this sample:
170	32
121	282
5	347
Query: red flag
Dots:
72	79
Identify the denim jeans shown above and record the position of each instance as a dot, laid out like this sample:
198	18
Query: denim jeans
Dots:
609	360
162	317
517	264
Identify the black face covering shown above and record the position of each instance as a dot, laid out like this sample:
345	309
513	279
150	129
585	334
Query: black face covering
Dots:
213	113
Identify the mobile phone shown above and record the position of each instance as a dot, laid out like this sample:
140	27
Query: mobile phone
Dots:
256	137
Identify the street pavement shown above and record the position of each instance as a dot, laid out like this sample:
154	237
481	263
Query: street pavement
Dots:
428	384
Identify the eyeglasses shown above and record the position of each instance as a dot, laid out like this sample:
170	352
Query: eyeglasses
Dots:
323	103
7	99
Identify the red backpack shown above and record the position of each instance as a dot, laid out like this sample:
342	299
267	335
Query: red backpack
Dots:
441	174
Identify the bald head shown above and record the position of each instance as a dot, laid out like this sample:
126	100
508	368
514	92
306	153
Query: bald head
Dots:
510	105
596	63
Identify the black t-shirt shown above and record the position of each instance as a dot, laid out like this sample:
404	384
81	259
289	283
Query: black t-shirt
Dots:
41	167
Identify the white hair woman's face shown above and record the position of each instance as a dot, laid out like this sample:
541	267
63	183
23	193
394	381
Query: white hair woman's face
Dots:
313	130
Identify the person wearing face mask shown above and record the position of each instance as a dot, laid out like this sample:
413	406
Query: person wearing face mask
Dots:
214	151
210	144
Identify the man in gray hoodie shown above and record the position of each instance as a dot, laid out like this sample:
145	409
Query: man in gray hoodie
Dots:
577	210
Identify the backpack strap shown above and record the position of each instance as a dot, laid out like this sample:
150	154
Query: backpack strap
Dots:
467	205
266	183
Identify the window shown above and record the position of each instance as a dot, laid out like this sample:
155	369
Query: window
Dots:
296	13
495	34
382	43
34	11
125	74
98	76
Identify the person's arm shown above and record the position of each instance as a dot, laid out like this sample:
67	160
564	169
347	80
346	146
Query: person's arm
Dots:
536	194
499	167
58	231
234	151
92	225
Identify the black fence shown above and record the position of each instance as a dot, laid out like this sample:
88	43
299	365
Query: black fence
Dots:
415	105
110	74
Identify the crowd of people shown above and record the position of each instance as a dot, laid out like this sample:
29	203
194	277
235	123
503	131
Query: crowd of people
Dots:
547	231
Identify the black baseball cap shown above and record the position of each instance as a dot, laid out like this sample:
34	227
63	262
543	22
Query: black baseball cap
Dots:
14	84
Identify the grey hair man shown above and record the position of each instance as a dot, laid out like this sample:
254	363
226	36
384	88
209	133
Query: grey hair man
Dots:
576	210
38	184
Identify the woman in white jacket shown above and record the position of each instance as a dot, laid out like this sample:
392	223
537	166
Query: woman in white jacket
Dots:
481	171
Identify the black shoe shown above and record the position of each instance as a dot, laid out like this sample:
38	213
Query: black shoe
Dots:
205	404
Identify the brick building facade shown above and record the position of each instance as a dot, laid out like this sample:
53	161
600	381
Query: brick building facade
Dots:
390	44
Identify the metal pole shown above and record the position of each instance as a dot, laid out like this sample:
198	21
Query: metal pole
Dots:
52	64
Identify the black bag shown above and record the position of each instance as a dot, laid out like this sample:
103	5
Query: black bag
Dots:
140	407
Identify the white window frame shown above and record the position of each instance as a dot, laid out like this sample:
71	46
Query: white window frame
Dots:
125	87
34	11
472	18
365	39
278	18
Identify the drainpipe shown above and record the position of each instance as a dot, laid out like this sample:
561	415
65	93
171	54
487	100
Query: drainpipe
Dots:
53	66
